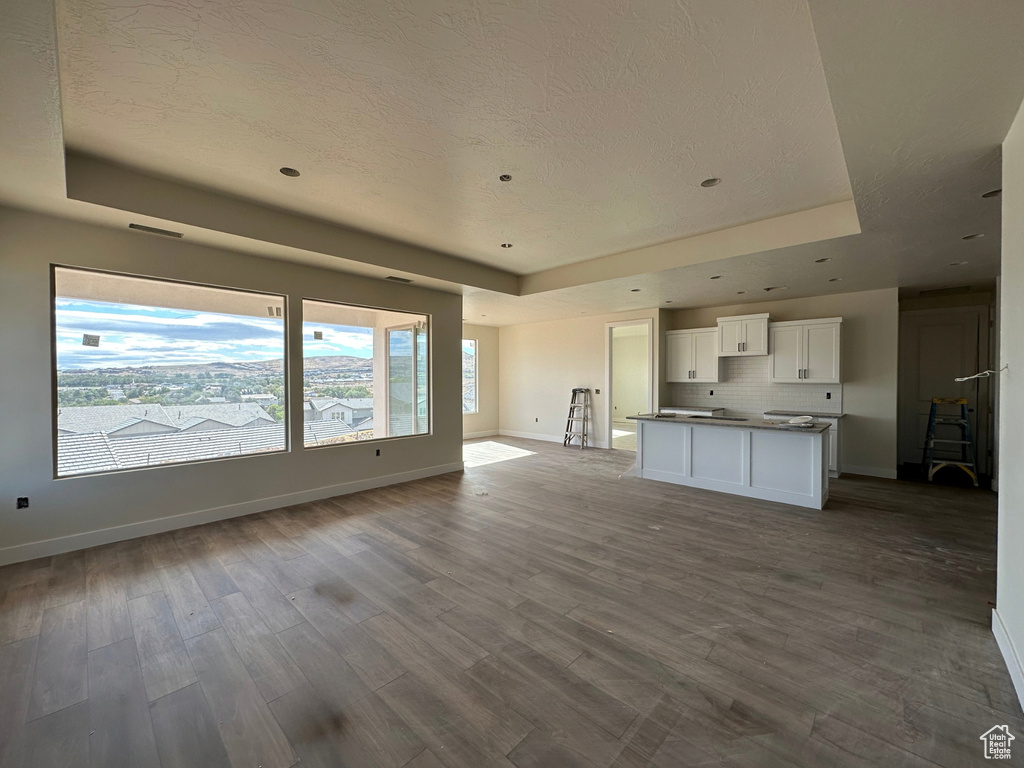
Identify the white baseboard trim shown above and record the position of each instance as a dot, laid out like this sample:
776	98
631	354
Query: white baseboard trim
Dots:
1010	655
532	435
32	550
546	438
888	474
474	435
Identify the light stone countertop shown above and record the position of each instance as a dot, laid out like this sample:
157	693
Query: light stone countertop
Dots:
743	424
816	414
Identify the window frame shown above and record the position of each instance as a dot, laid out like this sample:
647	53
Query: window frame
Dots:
429	327
54	398
476	377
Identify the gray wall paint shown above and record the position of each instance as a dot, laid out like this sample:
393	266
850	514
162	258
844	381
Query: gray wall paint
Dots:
30	243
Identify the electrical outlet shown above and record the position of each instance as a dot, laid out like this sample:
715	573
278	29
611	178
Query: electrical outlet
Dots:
536	421
828	395
597	391
711	392
378	451
23	502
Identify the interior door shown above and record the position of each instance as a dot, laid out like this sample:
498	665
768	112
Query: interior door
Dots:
705	356
408	380
937	346
786	358
821	353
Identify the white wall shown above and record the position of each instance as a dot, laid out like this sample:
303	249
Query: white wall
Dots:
630	386
541	363
1008	618
746	389
81	511
485	421
870	344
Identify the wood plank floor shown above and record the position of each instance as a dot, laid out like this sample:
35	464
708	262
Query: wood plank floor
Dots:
533	611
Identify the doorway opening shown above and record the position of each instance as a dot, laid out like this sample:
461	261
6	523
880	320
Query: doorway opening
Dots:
630	379
938	346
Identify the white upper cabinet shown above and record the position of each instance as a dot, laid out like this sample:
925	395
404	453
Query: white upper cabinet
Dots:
692	355
806	351
743	335
786	362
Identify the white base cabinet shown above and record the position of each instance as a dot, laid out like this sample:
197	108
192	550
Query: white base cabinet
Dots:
774	465
832	436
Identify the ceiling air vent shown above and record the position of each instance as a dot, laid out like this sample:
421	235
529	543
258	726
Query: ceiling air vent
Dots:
946	291
154	230
397	279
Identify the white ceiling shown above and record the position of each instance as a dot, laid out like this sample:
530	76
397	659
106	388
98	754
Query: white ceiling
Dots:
402	116
921	94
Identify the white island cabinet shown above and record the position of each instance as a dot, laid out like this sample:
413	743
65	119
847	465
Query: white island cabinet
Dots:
745	457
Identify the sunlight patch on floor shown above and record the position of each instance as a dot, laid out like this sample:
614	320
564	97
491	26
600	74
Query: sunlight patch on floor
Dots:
490	452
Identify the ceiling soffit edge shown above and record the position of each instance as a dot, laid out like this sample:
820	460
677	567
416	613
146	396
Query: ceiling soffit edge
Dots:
100	182
822	223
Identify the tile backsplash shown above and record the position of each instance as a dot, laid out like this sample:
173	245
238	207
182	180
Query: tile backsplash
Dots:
745	390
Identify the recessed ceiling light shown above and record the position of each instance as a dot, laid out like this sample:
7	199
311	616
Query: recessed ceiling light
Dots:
957	263
993	193
712	182
505	177
738	293
974	236
822	261
668	302
716	277
834	279
290	172
506	245
771	288
634	290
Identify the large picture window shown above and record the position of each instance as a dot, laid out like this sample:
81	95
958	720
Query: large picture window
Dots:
366	373
469	375
152	372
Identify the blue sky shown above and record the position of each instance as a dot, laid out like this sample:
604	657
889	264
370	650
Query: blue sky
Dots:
132	335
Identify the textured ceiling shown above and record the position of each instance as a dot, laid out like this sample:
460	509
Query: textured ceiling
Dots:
401	116
922	95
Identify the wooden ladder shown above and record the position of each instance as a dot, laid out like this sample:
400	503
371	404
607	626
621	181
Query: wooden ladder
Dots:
576	424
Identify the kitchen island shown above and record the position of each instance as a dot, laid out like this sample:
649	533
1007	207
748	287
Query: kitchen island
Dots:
767	460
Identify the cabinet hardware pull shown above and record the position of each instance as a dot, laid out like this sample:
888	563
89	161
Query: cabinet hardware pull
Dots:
738	345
